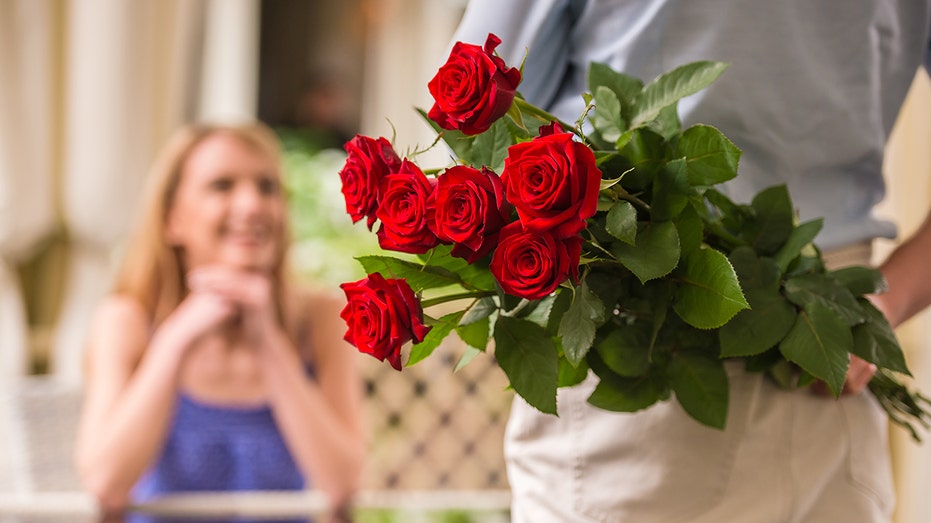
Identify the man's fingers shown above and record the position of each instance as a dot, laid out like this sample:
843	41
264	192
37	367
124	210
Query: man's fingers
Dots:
859	374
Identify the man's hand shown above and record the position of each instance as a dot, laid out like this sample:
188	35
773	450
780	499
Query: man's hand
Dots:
859	374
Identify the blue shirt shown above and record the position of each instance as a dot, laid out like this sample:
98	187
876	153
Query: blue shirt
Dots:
811	95
220	448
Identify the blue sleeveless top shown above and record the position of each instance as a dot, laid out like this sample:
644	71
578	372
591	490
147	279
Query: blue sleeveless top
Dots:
220	448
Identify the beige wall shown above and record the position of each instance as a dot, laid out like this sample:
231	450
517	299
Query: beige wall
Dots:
908	171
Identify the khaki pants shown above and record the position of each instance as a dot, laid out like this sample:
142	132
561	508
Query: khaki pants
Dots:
785	457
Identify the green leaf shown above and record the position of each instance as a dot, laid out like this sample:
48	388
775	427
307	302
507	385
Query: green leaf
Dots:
607	116
701	387
473	276
622	142
611	182
861	280
666	124
710	156
785	374
627	394
570	375
541	310
482	309
824	290
619	394
753	271
655	254
755	330
671	87
441	329
529	359
724	210
468	355
670	191
491	147
626	351
709	295
474	334
765	361
774	219
622	222
608	284
819	343
578	324
646	152
659	296
806	264
623	86
799	238
417	276
516	116
691	229
875	341
557	310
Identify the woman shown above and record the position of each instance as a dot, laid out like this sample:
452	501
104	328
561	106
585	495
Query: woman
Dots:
206	369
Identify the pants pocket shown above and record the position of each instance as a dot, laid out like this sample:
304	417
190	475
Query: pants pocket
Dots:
868	460
657	465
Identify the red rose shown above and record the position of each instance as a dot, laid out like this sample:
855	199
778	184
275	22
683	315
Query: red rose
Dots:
369	161
553	182
470	210
473	88
382	315
530	264
406	211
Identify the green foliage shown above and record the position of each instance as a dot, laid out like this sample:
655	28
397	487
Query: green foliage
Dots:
700	384
709	294
655	252
578	323
675	276
528	357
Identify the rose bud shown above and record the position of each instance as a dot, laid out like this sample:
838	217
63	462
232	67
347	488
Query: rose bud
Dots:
553	182
406	211
470	210
530	264
382	315
369	161
473	88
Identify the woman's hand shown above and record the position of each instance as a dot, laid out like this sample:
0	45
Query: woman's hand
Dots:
200	313
248	294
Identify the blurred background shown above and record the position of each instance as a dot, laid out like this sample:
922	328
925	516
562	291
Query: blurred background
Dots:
89	89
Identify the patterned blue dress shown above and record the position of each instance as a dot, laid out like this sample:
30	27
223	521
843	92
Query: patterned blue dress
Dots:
220	448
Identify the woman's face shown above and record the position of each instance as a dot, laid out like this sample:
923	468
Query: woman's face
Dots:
228	208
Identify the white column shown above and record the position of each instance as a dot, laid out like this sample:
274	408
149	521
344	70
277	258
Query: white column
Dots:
229	86
125	93
27	136
13	332
408	41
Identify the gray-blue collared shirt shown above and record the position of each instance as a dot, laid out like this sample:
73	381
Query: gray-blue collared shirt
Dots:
811	95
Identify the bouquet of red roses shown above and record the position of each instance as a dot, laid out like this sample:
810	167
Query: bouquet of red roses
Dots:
602	246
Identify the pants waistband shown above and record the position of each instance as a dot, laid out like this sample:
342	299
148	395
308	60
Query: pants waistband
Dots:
855	254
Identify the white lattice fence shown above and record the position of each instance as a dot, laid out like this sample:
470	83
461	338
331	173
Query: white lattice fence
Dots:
436	428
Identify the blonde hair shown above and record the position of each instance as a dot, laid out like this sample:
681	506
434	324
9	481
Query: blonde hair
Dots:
151	270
